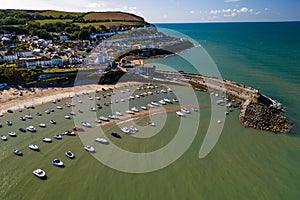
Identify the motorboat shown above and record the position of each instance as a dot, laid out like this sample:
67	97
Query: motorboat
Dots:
28	116
80	101
18	152
20	110
70	133
149	93
154	103
86	124
3	137
99	106
31	129
104	118
125	129
22	130
80	111
59	107
129	112
1	125
116	135
133	129
42	125
22	118
70	154
219	121
47	111
10	111
150	105
119	113
52	121
39	173
180	114
57	136
166	99
102	140
137	96
9	123
151	123
162	102
57	163
67	117
89	148
112	116
144	107
39	114
48	140
34	147
12	134
131	97
72	113
78	129
92	109
1	115
163	91
184	110
175	100
98	121
98	98
53	101
169	90
134	109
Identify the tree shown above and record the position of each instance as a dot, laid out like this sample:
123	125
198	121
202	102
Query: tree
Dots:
84	34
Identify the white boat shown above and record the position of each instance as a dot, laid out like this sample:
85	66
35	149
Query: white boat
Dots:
112	116
169	90
9	123
175	100
34	147
166	99
119	113
219	121
52	121
58	163
72	113
89	148
144	107
151	123
150	105
154	103
80	101
133	129
98	98
39	173
98	121
70	133
184	110
3	137
1	115
22	118
180	114
12	134
102	140
125	129
129	112
104	118
137	96
69	154
42	125
149	93
47	111
31	129
131	97
86	124
18	152
92	109
163	91
59	107
58	136
122	100
48	140
67	117
28	116
162	102
134	109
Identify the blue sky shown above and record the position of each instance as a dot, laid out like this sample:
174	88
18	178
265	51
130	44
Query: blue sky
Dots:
176	10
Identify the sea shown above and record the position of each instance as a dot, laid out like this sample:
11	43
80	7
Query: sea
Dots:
244	164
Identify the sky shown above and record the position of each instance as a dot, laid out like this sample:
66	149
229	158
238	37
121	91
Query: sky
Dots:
165	11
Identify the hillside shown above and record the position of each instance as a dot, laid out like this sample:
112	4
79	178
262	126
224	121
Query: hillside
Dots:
18	18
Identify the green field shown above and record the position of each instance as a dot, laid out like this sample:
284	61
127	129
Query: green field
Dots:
49	21
56	14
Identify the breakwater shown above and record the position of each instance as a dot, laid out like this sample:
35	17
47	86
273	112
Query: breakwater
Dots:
257	110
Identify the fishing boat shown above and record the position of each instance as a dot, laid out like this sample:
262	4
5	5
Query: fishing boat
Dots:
38	114
47	112
70	155
72	113
57	136
102	140
57	163
134	109
122	100
86	124
34	147
180	114
149	93
154	103
28	116
48	140
112	116
167	100
3	137
80	101
67	117
98	121
131	97
12	134
39	173
144	107
119	113
162	102
22	118
59	107
116	135
129	112
18	153
104	118
22	130
137	96
31	129
151	123
9	123
42	125
133	129
89	148
52	121
70	133
125	130
163	91
98	98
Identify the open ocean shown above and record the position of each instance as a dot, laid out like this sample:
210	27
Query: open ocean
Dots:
244	164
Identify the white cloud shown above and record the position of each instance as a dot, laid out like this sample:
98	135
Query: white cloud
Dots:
192	12
242	10
266	9
229	11
231	1
230	15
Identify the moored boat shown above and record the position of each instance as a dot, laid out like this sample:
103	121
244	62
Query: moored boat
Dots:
12	134
34	147
116	135
57	163
104	118
102	140
180	114
52	121
42	125
18	152
70	154
3	137
48	140
39	173
31	129
89	148
86	124
57	136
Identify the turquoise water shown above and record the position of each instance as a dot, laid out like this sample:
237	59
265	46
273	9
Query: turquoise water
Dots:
262	55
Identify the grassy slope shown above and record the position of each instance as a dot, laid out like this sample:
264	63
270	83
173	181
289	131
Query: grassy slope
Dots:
112	16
